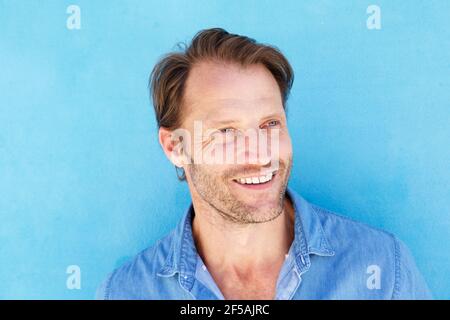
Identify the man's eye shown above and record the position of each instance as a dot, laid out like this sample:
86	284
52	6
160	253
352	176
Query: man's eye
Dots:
273	123
226	130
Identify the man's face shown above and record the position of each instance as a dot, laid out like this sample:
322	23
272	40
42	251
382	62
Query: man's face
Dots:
240	117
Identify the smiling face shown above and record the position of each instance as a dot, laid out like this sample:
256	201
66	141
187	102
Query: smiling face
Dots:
234	105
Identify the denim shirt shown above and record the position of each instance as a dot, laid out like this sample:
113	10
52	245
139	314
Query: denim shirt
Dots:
331	257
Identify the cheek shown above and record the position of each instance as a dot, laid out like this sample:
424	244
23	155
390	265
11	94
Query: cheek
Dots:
284	147
212	172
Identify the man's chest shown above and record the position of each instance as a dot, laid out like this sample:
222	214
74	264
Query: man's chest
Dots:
255	288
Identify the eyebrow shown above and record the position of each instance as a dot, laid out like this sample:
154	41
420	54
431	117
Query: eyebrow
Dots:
221	122
231	121
273	115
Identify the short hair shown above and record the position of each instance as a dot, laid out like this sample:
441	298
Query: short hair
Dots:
168	77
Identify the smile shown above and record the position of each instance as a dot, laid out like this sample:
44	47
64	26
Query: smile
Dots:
256	179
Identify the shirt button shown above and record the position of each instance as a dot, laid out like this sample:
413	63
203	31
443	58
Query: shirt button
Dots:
204	267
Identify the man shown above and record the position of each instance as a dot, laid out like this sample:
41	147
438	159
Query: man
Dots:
220	109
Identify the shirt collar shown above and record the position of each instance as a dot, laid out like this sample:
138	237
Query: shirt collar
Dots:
309	238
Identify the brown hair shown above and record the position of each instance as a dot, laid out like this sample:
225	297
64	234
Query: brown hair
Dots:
168	77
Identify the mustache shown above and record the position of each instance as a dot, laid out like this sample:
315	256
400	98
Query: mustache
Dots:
253	170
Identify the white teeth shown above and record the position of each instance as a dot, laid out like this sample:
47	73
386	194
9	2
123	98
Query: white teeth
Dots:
256	180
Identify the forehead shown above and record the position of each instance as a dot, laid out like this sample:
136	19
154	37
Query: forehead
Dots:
224	88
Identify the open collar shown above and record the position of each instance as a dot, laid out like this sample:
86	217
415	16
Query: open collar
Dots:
309	238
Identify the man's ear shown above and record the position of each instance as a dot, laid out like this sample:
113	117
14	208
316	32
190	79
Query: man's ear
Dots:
172	146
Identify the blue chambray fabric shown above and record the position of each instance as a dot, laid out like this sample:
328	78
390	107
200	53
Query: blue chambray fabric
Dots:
331	257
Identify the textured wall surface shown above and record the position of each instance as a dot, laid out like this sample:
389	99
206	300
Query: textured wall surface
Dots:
84	183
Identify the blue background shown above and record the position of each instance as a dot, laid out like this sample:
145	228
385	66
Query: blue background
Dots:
84	182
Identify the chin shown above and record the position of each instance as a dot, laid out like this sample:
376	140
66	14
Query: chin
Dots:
266	202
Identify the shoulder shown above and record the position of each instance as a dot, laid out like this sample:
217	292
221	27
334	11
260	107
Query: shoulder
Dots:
363	247
343	231
358	242
135	278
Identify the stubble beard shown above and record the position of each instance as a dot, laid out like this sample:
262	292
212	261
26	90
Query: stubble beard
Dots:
215	191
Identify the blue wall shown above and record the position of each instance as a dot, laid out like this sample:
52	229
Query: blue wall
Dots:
84	182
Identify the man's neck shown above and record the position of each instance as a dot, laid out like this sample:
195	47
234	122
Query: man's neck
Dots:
227	246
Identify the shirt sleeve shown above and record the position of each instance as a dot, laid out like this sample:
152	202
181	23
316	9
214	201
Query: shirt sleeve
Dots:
409	283
100	294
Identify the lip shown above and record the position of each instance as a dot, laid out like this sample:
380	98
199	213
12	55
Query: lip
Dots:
259	186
